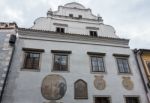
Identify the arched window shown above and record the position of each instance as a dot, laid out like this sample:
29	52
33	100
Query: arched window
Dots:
80	89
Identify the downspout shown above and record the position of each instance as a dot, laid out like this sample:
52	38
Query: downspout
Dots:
145	87
7	73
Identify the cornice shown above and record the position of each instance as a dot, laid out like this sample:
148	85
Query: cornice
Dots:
75	18
67	36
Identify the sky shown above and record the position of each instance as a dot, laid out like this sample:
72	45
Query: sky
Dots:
130	18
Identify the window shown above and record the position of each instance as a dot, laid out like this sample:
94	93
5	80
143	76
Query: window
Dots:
93	33
123	65
132	100
97	64
71	15
80	89
102	100
60	60
60	30
80	16
148	65
31	58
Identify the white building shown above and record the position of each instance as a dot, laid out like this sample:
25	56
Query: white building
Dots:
71	56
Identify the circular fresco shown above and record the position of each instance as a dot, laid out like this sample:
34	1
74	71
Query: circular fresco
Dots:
53	87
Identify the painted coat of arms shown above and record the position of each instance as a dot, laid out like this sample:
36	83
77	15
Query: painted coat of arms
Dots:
99	83
127	83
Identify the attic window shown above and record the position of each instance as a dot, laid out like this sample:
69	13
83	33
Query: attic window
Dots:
71	15
80	16
93	33
60	30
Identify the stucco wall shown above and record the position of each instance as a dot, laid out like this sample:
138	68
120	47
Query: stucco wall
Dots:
5	55
24	86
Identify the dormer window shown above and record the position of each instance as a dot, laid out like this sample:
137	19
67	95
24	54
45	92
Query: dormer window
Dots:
80	16
93	33
60	30
71	15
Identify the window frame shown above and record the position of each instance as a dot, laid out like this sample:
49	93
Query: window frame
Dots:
61	30
102	96
80	16
71	15
30	50
134	96
93	35
60	54
127	58
64	53
96	54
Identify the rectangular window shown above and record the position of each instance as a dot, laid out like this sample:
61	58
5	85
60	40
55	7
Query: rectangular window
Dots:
132	100
60	62
31	60
80	16
102	100
123	65
71	15
97	64
148	65
93	33
60	30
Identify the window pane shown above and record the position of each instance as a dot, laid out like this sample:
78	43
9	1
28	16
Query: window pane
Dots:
132	100
126	66
120	65
100	64
94	64
62	30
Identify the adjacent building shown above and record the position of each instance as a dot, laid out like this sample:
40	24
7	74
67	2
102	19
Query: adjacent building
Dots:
143	59
7	46
71	56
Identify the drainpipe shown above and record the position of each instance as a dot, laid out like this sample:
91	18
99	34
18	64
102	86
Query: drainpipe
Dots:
145	87
12	44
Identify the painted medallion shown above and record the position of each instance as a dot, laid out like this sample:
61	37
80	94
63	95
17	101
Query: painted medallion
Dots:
53	87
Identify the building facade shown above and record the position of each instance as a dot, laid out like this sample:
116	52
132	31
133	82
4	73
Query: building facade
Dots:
143	59
7	42
71	56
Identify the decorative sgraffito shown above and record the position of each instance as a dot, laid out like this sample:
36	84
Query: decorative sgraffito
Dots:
127	83
99	83
53	87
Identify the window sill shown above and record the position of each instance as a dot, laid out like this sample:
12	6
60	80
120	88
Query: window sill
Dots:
60	71
125	74
98	72
32	70
81	98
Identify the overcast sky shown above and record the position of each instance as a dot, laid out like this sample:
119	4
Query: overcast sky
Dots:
130	18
